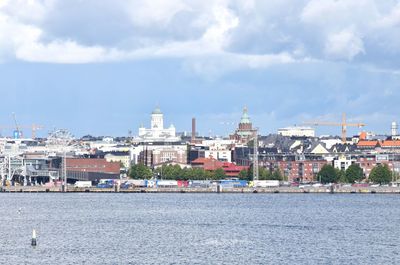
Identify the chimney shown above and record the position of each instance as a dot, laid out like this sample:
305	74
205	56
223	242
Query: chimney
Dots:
193	130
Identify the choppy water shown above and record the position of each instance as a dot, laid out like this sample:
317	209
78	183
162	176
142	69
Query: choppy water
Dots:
200	229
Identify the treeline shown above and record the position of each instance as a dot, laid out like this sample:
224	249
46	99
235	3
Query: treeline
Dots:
175	172
263	174
379	174
328	174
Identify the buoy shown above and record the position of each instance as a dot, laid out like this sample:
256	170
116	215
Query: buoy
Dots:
33	243
19	210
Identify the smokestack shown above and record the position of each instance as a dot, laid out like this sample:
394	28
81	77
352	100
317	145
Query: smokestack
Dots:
193	130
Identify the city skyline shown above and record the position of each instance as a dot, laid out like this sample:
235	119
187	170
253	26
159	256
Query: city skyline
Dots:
101	68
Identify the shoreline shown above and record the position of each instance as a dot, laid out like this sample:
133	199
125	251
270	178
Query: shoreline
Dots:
286	190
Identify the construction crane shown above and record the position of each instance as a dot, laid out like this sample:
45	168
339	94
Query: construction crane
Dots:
343	124
17	132
34	128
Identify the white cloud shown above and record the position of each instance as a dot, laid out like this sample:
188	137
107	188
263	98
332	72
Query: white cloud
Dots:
14	34
216	35
221	34
63	52
336	14
145	13
390	20
26	11
344	45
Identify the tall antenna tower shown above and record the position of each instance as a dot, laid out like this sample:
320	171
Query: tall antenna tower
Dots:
255	156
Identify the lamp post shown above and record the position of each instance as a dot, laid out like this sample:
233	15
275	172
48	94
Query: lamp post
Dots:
162	165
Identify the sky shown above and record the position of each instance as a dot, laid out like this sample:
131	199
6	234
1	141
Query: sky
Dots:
100	67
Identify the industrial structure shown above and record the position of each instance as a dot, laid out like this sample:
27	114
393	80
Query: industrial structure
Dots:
344	124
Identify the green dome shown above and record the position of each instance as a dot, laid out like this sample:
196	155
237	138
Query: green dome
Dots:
156	111
245	117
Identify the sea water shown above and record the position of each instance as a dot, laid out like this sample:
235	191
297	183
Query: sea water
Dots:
88	228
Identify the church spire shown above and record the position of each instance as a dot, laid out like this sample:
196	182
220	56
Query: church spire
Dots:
245	116
157	110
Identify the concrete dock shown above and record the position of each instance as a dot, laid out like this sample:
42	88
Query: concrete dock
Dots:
363	190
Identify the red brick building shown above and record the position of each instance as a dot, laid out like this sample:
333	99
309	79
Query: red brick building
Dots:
92	165
301	170
92	169
368	162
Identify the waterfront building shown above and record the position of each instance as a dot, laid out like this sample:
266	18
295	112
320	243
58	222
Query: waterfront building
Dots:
368	161
297	170
294	167
211	164
343	162
92	169
122	157
157	132
166	155
151	153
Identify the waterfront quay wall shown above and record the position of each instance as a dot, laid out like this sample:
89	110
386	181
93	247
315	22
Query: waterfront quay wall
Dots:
364	190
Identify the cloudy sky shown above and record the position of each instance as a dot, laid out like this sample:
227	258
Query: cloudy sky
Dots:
100	67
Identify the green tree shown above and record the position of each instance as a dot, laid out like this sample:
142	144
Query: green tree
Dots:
341	175
380	174
140	171
327	174
175	172
244	174
187	173
276	175
354	173
263	173
172	172
209	175
219	173
199	174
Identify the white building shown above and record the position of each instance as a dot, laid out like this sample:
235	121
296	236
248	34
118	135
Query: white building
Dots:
219	149
297	131
157	132
343	162
122	157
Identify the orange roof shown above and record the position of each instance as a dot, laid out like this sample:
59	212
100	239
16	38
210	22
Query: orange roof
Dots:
390	143
367	143
363	135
